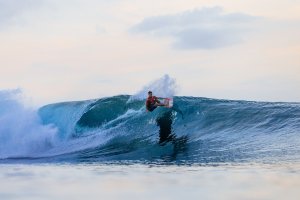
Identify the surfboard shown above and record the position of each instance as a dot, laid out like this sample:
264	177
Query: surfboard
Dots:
169	102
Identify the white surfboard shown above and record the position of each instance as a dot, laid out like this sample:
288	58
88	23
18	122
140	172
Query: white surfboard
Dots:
169	102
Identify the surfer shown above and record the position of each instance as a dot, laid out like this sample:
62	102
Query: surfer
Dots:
153	102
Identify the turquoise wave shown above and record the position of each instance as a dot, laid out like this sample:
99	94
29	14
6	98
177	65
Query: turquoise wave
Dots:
195	130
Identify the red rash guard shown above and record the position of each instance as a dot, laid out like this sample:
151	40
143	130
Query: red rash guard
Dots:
151	101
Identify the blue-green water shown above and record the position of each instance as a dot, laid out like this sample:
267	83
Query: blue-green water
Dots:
194	131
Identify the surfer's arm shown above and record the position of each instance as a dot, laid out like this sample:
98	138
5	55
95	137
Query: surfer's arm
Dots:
156	100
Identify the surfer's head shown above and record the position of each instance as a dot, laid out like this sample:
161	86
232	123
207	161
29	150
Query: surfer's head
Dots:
150	93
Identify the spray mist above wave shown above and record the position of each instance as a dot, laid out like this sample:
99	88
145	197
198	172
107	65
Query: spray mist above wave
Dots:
162	87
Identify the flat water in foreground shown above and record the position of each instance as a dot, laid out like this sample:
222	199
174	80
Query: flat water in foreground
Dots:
141	181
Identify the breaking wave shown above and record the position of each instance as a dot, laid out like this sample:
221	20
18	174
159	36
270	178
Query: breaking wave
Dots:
195	130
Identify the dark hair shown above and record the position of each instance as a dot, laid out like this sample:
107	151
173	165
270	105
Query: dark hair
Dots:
150	92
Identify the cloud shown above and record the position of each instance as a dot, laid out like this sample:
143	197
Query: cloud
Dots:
206	28
10	10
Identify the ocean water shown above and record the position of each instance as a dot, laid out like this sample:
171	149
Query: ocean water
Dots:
140	181
111	148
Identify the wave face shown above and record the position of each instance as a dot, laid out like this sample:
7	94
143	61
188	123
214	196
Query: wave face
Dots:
196	130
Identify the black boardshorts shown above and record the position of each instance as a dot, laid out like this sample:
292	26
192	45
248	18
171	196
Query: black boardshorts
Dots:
151	108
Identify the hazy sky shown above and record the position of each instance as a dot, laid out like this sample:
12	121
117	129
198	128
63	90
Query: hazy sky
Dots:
57	50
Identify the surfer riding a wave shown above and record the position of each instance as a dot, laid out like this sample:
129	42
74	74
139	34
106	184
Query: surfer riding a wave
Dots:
152	102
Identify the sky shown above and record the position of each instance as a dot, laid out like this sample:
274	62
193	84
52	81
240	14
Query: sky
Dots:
62	50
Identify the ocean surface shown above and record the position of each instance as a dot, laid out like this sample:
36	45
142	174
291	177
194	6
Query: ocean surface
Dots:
111	148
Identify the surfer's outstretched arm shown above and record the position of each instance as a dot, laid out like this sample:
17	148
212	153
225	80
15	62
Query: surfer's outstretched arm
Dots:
159	104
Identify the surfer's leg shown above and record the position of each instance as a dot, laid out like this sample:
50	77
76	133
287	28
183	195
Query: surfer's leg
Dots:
151	108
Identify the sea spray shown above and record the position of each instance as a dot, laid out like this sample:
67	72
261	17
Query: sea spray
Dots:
22	133
162	87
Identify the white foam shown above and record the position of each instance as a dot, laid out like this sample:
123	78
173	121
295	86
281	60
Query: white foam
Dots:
21	130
